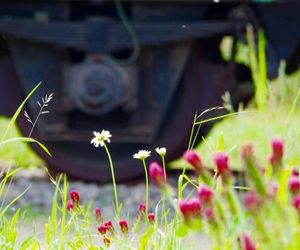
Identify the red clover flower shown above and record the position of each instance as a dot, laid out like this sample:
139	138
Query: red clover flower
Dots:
151	218
102	229
109	226
221	161
124	226
194	159
156	174
142	208
205	194
277	145
190	209
75	197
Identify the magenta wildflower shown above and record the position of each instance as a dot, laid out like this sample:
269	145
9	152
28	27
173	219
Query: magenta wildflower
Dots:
205	194
277	147
142	208
102	229
74	195
190	209
109	226
221	161
70	205
247	243
277	151
251	201
151	218
156	174
294	184
194	159
98	215
124	226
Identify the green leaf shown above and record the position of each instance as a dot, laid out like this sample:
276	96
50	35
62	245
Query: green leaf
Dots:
145	238
25	139
220	142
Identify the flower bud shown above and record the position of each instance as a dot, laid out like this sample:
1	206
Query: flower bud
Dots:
294	184
247	243
98	215
277	151
109	226
102	229
193	158
205	194
74	195
221	161
190	209
70	205
142	208
156	174
296	203
251	201
277	146
151	218
124	226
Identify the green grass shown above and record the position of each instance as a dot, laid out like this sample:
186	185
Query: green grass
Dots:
273	112
17	153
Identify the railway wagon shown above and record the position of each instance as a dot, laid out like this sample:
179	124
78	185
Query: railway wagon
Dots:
139	68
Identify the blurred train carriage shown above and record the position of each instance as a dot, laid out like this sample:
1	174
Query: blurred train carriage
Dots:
137	68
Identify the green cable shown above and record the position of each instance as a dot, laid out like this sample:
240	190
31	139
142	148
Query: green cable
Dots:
128	26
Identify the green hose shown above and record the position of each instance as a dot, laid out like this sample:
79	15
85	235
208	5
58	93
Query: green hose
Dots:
128	26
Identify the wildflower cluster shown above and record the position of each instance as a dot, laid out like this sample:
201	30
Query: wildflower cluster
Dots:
218	202
250	204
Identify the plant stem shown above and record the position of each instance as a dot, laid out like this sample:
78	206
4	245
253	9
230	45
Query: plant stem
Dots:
163	216
147	186
113	180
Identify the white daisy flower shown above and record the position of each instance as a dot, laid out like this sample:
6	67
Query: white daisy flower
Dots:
142	154
161	151
100	138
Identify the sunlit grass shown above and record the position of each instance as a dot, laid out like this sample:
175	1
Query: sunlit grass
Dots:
17	153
